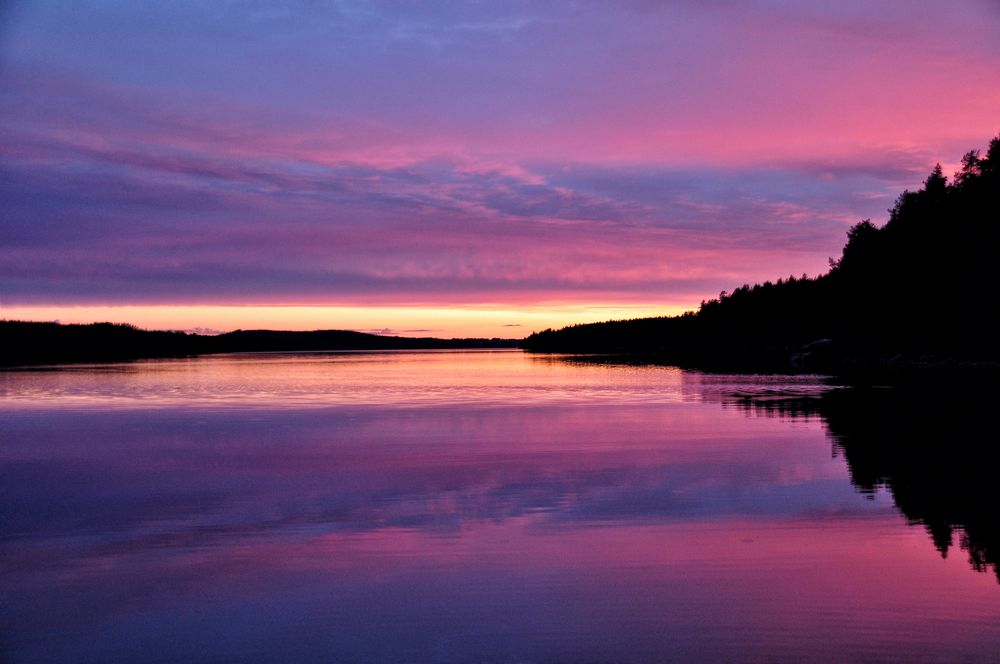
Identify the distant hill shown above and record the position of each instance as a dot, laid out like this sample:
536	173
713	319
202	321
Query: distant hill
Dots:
922	289
319	340
30	343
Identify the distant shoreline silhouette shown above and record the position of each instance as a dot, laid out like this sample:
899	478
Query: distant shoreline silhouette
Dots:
920	291
24	343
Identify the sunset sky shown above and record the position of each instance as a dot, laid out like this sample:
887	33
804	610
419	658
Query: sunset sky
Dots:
457	169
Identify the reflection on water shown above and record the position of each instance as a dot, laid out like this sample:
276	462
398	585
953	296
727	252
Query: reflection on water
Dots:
936	452
458	507
931	446
273	380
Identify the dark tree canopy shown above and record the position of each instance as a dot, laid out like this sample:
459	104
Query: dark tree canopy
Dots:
922	286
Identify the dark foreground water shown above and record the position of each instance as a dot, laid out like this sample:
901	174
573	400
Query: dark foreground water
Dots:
489	507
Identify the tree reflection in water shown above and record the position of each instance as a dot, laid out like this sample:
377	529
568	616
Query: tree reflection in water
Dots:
932	446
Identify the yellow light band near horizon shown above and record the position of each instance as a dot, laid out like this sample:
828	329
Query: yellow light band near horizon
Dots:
412	321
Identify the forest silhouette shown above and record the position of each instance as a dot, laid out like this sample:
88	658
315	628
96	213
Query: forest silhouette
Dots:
920	290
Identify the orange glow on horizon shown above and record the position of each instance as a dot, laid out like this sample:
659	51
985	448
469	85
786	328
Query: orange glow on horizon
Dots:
510	321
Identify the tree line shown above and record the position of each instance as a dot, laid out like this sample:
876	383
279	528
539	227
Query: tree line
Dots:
921	287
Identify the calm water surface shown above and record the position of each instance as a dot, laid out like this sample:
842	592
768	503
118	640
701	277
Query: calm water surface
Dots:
486	507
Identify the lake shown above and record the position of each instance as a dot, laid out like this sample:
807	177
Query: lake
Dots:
490	506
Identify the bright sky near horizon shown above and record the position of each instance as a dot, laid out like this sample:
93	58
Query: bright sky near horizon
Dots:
456	169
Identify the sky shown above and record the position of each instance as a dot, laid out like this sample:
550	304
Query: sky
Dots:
461	168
